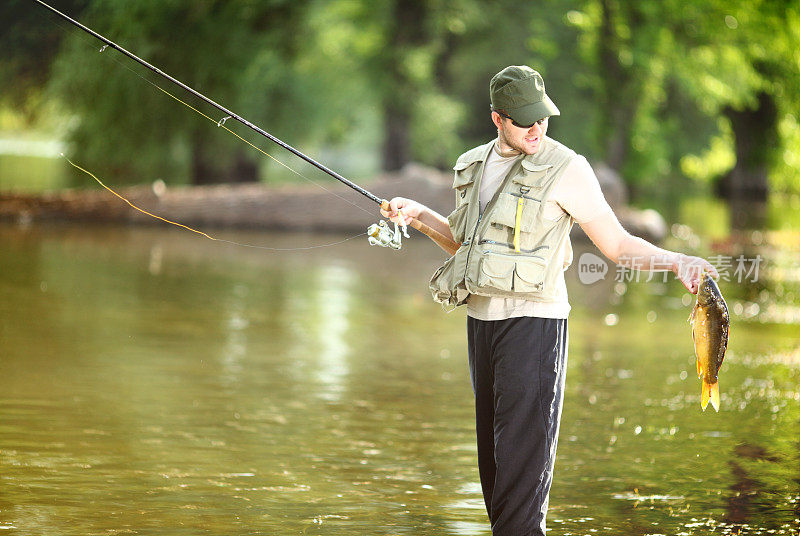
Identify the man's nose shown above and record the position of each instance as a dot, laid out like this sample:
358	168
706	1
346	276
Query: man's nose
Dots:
536	128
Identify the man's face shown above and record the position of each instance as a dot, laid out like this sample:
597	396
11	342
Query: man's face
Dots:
525	140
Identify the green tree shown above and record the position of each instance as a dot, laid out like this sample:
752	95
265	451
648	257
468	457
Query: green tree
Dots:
29	43
398	48
741	64
237	53
673	77
705	88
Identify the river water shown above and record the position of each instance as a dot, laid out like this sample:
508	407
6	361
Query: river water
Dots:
155	382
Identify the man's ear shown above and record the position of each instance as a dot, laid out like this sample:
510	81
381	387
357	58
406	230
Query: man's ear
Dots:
496	119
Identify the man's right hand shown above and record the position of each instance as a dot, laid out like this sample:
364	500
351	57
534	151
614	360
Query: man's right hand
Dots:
411	210
429	222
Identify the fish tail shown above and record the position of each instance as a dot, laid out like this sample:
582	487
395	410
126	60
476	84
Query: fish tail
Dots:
714	388
710	393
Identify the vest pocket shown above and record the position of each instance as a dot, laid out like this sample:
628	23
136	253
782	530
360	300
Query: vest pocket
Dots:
511	273
462	184
458	222
465	174
441	284
505	213
529	275
496	271
534	173
463	181
447	283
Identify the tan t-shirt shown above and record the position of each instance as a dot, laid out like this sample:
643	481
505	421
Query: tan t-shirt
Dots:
578	194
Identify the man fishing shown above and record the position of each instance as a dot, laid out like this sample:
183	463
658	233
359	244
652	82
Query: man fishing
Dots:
517	198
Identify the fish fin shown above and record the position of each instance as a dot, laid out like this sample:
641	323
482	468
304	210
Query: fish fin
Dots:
710	392
691	316
704	395
699	369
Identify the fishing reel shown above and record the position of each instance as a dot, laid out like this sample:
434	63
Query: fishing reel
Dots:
380	234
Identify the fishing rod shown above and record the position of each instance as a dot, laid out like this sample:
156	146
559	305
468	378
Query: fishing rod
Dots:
378	233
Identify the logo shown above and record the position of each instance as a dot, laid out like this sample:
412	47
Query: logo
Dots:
591	268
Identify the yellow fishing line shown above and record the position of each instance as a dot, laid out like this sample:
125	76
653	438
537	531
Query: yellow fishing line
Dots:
242	244
143	211
220	124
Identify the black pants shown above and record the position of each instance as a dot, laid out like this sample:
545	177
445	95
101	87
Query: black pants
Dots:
517	368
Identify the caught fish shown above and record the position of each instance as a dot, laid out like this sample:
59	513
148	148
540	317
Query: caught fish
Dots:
709	321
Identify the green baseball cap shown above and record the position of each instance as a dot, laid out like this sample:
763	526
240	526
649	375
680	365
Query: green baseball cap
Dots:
518	90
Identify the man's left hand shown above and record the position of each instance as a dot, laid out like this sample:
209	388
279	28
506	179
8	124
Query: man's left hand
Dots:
689	271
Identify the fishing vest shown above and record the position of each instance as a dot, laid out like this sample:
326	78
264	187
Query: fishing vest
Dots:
507	250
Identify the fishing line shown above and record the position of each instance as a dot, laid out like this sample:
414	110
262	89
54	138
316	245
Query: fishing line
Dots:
242	244
219	107
379	233
220	123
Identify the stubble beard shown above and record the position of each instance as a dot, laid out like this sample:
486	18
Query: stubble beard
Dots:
510	143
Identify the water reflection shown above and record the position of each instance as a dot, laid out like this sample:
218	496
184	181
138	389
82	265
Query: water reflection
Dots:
333	291
236	338
152	380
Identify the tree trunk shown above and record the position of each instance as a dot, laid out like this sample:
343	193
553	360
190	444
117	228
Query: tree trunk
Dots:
204	170
612	83
755	134
245	168
397	131
406	31
619	88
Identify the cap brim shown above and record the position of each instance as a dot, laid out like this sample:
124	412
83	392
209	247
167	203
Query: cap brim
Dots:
530	113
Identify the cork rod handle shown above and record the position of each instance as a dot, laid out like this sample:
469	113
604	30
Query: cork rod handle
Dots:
441	240
444	242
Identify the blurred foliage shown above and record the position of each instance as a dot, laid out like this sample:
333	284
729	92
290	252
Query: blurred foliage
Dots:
29	46
234	52
701	88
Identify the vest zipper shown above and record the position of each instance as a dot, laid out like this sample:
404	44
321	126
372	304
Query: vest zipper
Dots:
510	246
511	255
515	194
471	247
511	172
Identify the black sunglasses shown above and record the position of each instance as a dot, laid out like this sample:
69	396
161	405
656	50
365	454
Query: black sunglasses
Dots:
501	114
